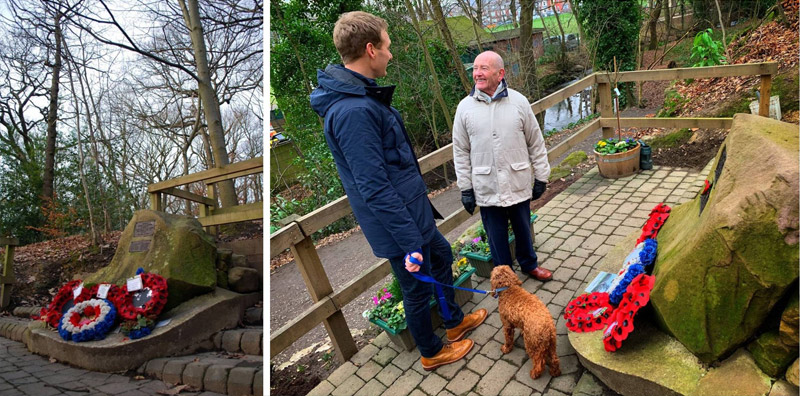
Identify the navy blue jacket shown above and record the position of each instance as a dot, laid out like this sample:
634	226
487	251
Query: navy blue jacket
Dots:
376	163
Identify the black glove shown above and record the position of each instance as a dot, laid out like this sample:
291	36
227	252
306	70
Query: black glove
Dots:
468	200
538	189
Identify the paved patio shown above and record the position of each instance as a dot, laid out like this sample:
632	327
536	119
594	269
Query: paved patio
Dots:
573	233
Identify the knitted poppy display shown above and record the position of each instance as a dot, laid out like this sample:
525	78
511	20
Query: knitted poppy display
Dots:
621	324
643	256
658	215
91	292
61	302
88	320
588	312
154	291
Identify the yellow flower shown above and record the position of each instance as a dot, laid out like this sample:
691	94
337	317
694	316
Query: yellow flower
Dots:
399	307
463	261
601	143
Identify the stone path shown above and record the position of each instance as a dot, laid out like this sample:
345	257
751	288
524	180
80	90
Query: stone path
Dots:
573	233
23	373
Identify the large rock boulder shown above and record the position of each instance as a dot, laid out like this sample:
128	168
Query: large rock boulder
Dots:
175	247
725	260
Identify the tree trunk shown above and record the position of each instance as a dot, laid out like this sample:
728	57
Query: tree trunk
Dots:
451	47
541	16
722	26
191	13
563	39
514	14
578	23
437	88
95	236
48	190
527	61
655	13
476	23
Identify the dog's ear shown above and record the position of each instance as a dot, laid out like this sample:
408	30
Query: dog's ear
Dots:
519	282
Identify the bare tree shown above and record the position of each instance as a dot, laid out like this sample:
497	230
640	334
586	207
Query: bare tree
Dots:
451	47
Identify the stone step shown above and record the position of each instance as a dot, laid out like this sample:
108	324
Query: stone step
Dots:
14	328
235	375
26	312
254	316
243	340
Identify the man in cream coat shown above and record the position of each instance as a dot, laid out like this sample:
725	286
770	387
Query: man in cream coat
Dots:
496	142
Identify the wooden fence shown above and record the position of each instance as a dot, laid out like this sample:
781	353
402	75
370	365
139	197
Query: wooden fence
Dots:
211	214
7	279
328	302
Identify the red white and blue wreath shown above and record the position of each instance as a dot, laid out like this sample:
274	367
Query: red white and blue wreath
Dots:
88	320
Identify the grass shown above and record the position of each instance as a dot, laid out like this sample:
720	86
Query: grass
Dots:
568	22
673	139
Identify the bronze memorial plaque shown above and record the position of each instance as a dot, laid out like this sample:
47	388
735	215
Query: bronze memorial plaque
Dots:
139	246
144	228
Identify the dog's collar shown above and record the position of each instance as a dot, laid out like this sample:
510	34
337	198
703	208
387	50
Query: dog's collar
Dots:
495	292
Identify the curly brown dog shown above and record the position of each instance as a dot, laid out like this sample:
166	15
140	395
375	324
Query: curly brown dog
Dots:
521	309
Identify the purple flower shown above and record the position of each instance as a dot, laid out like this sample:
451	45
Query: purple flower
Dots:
375	300
476	240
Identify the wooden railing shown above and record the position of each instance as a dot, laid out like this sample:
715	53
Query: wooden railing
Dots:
7	279
210	214
328	302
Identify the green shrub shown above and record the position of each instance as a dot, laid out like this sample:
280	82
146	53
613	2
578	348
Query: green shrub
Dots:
707	51
673	101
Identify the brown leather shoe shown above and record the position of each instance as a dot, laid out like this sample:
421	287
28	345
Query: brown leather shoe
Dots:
541	274
469	322
450	353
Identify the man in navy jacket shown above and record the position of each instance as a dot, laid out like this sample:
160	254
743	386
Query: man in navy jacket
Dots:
381	177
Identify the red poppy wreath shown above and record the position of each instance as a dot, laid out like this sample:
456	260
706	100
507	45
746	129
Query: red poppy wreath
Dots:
621	323
588	312
62	301
147	302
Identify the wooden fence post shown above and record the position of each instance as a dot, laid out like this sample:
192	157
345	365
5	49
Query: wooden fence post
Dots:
155	202
606	106
319	286
763	102
209	210
7	276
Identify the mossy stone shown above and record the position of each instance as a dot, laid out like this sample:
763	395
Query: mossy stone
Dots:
789	321
772	355
720	272
179	250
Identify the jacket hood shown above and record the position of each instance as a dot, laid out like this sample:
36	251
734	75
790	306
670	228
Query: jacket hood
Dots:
337	82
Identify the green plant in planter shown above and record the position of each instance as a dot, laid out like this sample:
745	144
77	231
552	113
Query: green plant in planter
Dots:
460	267
614	146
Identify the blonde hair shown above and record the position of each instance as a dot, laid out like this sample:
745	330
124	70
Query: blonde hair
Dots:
354	30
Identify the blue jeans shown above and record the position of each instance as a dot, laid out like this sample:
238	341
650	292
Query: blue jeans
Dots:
495	221
437	261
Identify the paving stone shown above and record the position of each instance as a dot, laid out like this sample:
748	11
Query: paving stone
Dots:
193	374
258	383
480	364
565	382
575	284
251	343
364	354
389	374
114	388
173	372
155	367
523	376
563	347
492	350
553	286
372	388
240	381
555	310
563	274
496	378
405	359
381	340
560	254
573	263
368	370
593	242
349	387
515	388
405	383
580	275
517	355
569	364
216	378
342	373
385	356
231	340
463	382
562	298
448	371
433	384
493	320
482	334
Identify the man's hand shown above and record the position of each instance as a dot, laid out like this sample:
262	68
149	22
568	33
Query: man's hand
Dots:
416	255
538	189
468	200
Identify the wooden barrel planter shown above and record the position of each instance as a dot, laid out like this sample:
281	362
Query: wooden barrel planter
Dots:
620	164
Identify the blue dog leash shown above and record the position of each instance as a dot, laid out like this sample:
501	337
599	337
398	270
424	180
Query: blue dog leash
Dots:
440	292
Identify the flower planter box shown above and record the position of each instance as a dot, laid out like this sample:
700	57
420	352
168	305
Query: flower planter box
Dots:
618	165
402	337
484	264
